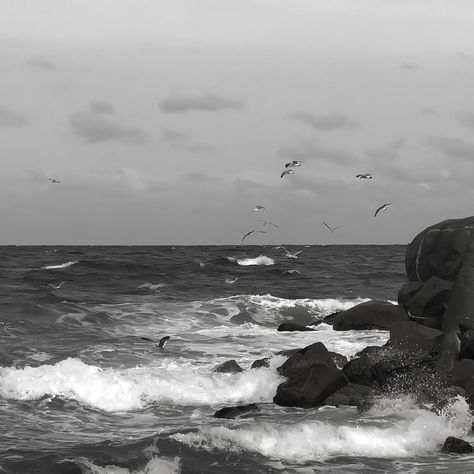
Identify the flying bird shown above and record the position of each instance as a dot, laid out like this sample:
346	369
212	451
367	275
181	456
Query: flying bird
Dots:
332	229
287	171
364	176
294	163
57	287
253	232
54	181
381	208
231	281
289	254
161	342
259	208
268	223
290	272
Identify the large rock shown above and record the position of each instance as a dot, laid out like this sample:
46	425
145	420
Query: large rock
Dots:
302	358
290	326
351	395
440	256
369	315
309	386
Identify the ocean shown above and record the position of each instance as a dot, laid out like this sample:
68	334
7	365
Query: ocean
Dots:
81	391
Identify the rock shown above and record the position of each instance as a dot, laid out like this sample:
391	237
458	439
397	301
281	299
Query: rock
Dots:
463	375
229	366
351	395
369	315
466	350
315	353
265	362
329	319
309	386
290	326
411	336
232	412
360	371
456	445
338	359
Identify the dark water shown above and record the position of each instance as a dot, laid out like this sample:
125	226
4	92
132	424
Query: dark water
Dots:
81	391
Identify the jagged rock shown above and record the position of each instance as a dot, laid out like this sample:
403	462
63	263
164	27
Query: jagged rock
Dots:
309	386
369	315
359	371
232	412
229	366
265	362
352	395
338	359
329	319
411	336
315	353
466	350
456	445
290	326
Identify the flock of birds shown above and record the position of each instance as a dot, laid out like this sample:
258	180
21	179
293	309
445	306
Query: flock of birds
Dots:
288	171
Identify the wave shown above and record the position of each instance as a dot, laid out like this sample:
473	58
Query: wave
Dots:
154	466
245	262
136	388
62	265
418	432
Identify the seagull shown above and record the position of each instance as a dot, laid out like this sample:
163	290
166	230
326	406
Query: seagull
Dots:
268	223
151	286
332	229
253	232
161	343
54	181
294	163
289	254
287	172
231	281
291	272
259	208
364	176
382	208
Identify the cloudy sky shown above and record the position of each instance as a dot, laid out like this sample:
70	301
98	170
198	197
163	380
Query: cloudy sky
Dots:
168	121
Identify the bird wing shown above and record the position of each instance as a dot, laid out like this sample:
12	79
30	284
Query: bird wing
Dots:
328	226
297	253
247	234
163	341
283	174
381	208
147	339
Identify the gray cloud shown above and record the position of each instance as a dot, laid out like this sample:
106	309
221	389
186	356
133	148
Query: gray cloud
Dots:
453	147
325	122
409	67
40	63
102	107
170	135
10	118
312	150
176	104
95	128
466	119
427	111
198	148
384	153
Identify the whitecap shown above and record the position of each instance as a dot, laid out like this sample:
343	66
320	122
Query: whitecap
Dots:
62	265
245	262
154	466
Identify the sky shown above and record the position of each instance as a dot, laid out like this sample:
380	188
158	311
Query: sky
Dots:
166	122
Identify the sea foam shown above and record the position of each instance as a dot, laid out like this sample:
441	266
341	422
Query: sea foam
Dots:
135	388
245	262
62	265
154	466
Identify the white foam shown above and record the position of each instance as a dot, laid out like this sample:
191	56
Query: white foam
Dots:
418	432
135	388
62	265
154	466
260	260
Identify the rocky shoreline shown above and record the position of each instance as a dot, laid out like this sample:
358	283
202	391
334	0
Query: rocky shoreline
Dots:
430	351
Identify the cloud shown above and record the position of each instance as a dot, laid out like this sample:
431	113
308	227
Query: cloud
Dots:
10	118
198	148
95	128
102	107
39	62
383	153
409	67
428	111
207	102
325	122
453	147
312	150
170	135
466	119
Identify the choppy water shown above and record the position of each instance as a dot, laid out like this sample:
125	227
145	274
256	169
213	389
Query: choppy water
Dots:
81	391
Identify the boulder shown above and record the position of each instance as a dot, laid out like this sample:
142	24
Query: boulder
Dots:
290	326
309	386
297	314
302	358
466	350
265	362
360	371
369	315
413	337
456	445
463	375
229	366
352	395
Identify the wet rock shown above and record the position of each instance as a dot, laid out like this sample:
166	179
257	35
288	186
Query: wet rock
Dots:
463	375
360	371
338	359
351	395
456	445
309	386
229	366
265	362
466	350
329	319
233	412
369	315
315	353
297	314
290	326
411	336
